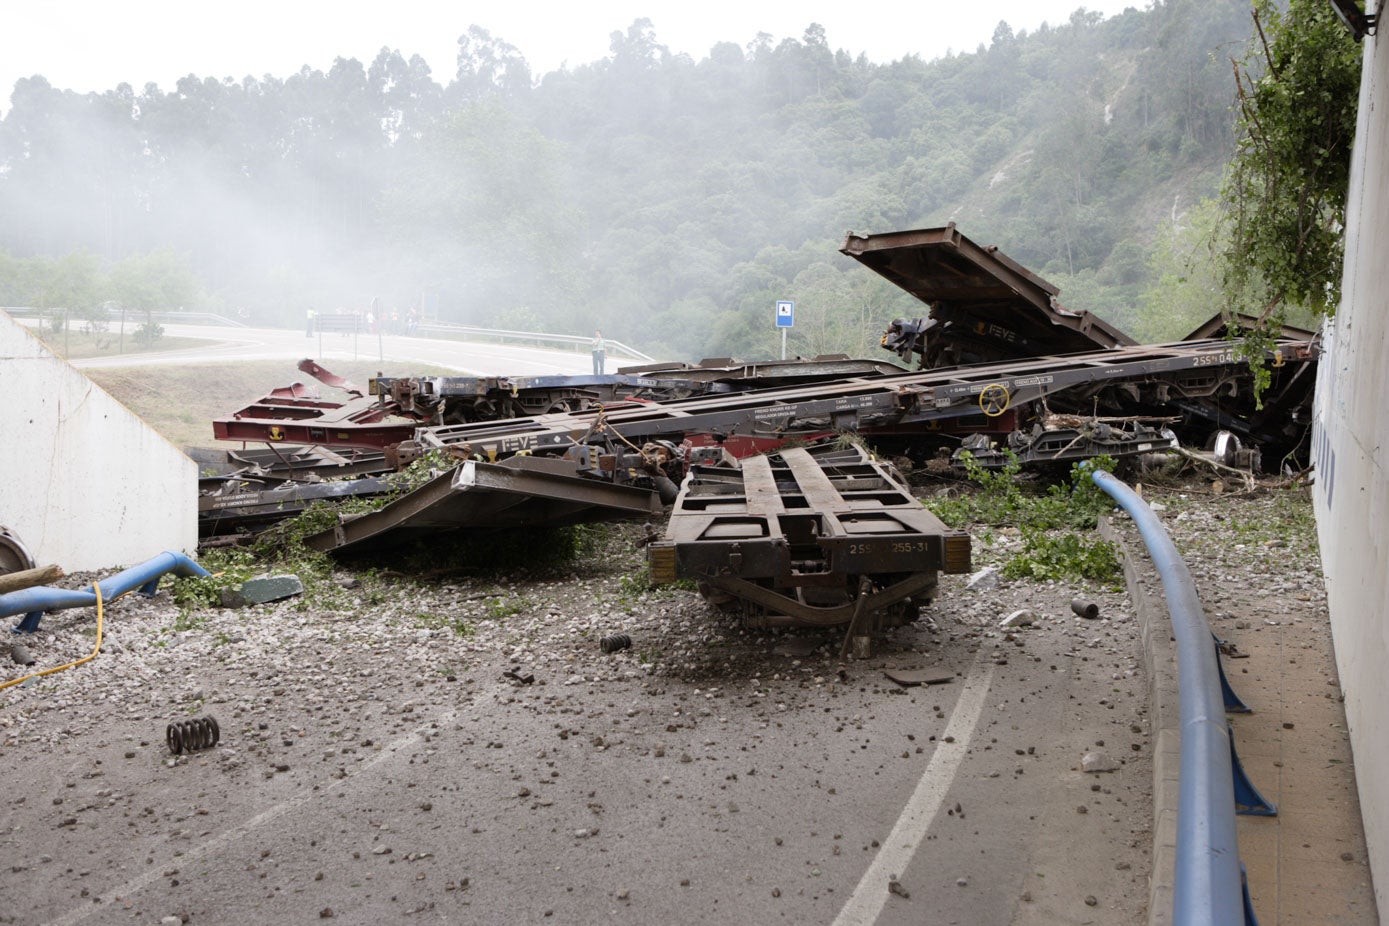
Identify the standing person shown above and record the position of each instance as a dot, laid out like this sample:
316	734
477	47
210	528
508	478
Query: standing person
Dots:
600	352
308	327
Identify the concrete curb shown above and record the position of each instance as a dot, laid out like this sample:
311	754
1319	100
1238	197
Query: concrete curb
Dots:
1160	664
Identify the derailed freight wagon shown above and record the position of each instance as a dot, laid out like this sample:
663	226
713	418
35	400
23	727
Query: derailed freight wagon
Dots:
815	538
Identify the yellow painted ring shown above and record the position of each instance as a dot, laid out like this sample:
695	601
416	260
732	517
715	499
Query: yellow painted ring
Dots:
994	399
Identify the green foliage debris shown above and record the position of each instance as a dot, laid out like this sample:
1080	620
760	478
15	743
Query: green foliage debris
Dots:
1055	525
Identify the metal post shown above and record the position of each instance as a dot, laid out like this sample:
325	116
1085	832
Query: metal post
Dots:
122	350
783	344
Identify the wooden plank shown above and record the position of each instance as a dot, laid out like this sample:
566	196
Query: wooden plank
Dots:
29	578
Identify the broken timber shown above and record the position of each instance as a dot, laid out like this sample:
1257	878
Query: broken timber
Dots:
809	537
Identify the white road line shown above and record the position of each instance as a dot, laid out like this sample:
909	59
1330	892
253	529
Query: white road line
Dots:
153	872
897	850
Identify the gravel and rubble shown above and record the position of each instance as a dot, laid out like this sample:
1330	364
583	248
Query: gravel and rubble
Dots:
470	736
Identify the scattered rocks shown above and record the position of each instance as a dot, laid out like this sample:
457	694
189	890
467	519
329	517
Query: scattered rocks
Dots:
332	677
1096	762
985	580
1019	618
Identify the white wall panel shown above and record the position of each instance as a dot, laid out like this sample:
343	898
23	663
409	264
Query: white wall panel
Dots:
1349	441
84	482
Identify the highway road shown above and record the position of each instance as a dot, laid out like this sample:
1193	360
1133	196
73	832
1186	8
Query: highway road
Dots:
467	357
370	772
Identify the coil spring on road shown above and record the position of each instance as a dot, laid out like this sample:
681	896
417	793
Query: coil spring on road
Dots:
614	642
190	735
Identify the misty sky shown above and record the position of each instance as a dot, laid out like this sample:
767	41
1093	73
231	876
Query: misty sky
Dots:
88	45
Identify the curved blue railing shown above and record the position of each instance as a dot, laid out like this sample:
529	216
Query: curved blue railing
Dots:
1207	886
33	602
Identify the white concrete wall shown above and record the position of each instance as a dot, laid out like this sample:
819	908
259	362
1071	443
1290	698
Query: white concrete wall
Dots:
1352	490
84	482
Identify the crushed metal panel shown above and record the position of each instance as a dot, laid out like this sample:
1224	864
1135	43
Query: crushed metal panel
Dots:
291	416
1067	439
302	463
994	307
741	375
243	505
794	535
941	264
1218	326
900	400
488	497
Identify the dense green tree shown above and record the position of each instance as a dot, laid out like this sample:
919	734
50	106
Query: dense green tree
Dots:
669	199
1286	191
488	67
1185	291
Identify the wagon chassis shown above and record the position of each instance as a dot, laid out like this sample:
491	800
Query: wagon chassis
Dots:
815	538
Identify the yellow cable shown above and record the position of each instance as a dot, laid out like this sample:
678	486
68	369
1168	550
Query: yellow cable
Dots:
87	658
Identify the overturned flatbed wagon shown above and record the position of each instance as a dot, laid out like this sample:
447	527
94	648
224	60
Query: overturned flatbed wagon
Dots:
808	537
984	307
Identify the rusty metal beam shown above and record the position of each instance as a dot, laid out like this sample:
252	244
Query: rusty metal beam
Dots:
895	400
483	498
980	287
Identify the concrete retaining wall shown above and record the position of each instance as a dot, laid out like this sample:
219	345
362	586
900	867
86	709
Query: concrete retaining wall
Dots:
1352	490
84	482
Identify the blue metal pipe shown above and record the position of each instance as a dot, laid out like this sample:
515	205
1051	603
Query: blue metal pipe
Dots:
1207	886
146	576
33	602
44	598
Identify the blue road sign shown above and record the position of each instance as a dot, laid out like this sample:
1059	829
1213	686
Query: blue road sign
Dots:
785	314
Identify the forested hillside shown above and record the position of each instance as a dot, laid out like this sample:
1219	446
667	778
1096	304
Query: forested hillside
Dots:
667	200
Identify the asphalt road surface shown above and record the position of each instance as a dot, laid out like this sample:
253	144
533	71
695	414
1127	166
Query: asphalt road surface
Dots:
737	780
